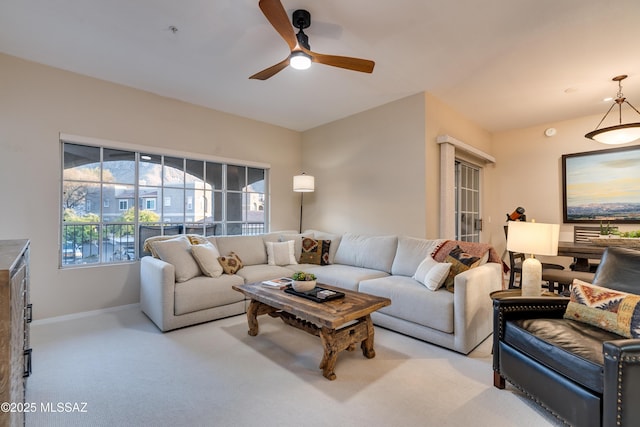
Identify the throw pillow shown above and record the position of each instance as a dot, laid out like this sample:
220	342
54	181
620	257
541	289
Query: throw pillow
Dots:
196	239
206	255
315	251
281	253
608	309
148	244
432	273
297	239
460	262
177	252
230	263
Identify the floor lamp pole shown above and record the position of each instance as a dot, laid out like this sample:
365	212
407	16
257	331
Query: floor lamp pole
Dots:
301	184
301	200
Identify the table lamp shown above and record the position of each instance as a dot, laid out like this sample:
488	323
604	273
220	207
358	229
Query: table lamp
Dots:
536	239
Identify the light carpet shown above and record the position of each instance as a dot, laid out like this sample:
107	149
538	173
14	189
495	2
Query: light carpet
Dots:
118	369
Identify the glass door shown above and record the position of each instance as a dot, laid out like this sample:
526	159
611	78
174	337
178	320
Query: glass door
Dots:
467	208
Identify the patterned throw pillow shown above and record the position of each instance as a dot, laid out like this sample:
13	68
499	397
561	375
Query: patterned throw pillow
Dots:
315	251
608	309
231	263
460	262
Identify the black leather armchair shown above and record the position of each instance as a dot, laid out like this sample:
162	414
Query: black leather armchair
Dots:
584	375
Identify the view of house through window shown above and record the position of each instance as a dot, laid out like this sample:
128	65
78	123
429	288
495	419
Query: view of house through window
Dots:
112	200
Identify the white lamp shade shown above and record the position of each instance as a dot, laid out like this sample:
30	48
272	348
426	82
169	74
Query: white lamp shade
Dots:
304	183
613	135
533	238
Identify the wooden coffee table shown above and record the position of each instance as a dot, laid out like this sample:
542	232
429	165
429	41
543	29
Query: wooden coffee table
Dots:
325	319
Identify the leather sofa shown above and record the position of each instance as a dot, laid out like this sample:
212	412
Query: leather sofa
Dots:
584	375
378	265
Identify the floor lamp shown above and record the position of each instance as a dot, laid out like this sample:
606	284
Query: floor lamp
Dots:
303	184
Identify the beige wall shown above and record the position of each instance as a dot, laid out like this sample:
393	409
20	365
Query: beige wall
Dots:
38	102
530	169
379	171
369	170
440	119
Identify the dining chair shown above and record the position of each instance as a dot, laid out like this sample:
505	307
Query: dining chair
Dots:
584	234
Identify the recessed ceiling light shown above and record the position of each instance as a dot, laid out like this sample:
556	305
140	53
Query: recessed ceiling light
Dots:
608	99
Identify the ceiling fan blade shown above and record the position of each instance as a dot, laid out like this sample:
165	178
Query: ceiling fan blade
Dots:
277	16
271	71
347	62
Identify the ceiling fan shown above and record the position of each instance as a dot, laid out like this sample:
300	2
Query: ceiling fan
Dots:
301	54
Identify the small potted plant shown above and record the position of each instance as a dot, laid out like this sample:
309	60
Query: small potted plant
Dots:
303	282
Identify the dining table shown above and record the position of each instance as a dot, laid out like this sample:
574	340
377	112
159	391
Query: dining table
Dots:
582	252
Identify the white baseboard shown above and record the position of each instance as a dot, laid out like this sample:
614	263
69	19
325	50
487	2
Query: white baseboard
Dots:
83	314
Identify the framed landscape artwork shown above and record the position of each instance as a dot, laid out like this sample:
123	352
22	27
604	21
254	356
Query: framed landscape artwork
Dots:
602	186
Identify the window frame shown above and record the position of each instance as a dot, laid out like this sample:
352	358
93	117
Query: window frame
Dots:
219	195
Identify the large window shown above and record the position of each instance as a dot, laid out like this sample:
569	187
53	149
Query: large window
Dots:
113	199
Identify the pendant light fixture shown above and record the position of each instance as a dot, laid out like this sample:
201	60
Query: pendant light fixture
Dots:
620	133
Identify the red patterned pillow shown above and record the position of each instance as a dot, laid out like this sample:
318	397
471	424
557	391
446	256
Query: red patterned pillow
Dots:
315	251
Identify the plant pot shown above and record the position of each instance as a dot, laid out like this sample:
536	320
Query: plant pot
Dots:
303	285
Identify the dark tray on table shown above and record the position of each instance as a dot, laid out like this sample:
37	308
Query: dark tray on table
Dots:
313	294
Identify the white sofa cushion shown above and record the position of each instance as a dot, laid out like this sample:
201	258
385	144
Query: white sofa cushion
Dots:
177	252
201	293
411	252
374	252
344	276
432	273
258	273
206	255
250	249
281	253
412	302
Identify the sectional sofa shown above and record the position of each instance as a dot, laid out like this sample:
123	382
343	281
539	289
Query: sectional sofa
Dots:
179	288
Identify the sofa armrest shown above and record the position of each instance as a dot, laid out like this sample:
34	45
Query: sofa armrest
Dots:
621	383
472	305
157	284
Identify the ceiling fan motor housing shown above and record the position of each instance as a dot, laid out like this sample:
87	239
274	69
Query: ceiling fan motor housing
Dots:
301	19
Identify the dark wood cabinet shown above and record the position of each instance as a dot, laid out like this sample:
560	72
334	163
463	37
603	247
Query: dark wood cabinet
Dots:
15	316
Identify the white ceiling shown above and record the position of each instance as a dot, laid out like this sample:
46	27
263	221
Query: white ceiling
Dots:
503	63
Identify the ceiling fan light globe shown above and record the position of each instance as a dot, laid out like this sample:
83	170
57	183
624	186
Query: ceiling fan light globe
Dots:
300	60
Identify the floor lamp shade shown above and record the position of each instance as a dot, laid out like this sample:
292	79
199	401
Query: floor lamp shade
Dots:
304	183
536	239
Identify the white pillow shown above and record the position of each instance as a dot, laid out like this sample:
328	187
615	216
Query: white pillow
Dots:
206	255
281	253
432	273
177	252
297	240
